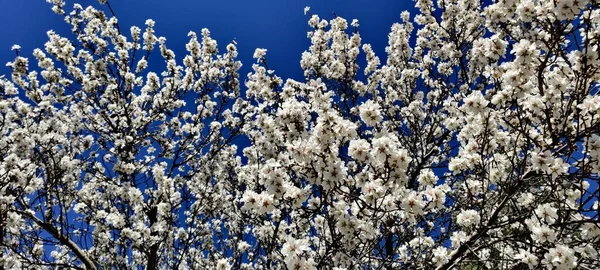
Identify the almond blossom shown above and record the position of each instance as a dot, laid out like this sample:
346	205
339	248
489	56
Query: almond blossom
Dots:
473	143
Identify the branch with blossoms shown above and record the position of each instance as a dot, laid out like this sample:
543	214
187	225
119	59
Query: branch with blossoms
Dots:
474	146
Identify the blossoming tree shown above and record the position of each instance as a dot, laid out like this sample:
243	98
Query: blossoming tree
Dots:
475	145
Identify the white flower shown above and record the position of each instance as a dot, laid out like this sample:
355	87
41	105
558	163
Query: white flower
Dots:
370	113
468	218
306	10
561	257
314	21
259	54
440	256
458	238
250	200
526	10
265	203
115	219
413	203
294	247
223	264
359	150
542	161
243	246
559	167
525	199
150	23
475	102
590	230
543	234
427	178
527	258
567	9
546	213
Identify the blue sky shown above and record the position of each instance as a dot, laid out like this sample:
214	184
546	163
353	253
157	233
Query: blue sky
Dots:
279	26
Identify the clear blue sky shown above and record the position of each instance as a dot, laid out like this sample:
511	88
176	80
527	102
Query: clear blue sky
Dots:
280	26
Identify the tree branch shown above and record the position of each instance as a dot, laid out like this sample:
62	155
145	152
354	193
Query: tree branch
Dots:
89	264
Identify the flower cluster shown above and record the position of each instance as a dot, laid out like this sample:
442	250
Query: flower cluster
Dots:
474	145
